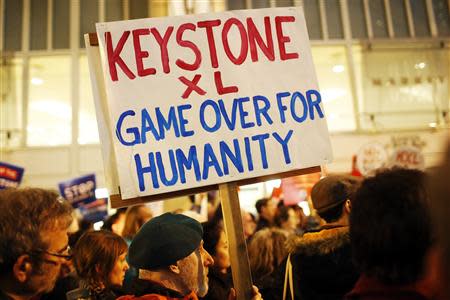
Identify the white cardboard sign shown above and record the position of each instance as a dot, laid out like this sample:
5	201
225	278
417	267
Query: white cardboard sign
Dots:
212	98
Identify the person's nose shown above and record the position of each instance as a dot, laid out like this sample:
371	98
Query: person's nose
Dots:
126	266
209	261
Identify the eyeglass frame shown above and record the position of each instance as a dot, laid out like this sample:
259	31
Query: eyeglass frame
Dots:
63	256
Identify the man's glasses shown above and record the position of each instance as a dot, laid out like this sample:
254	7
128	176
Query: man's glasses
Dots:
66	256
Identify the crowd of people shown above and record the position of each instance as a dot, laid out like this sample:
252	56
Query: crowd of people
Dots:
383	237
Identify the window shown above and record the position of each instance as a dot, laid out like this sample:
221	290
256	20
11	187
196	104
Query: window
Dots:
61	24
114	10
419	12
334	83
399	21
378	18
312	16
357	19
284	3
88	18
13	25
138	9
260	3
87	127
236	4
49	107
403	88
334	19
38	25
442	17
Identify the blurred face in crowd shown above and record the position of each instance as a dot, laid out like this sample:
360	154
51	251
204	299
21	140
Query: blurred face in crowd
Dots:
222	257
117	274
293	221
249	224
43	280
117	227
270	210
146	213
193	270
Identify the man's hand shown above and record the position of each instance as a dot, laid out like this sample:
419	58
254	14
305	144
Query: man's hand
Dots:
255	294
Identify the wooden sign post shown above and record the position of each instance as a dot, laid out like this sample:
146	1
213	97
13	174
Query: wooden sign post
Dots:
193	103
232	219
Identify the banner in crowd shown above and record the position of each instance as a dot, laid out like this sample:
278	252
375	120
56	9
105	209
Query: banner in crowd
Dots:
205	99
10	175
407	157
405	151
297	189
80	192
370	157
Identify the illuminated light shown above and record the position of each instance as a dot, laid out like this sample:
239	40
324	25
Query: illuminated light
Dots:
37	81
98	225
432	124
101	193
338	68
420	66
271	184
305	206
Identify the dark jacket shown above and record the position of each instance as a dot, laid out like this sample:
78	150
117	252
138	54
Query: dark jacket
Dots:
149	290
371	289
262	223
270	286
3	296
219	285
62	286
322	265
86	294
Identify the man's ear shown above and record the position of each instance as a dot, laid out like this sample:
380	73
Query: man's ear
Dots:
174	268
23	268
348	206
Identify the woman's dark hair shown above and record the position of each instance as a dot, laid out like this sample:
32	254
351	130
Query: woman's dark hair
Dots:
390	226
211	236
135	217
282	214
95	254
109	221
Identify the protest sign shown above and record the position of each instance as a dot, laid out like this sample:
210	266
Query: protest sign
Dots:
370	157
80	192
213	98
10	175
407	157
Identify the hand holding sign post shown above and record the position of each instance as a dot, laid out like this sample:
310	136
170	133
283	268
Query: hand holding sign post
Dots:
208	100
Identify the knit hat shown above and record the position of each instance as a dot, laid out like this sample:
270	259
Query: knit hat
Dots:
164	240
333	190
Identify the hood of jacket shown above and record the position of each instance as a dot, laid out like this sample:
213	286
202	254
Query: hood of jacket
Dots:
322	242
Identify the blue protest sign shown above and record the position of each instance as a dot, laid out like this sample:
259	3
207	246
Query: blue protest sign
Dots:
10	175
80	192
